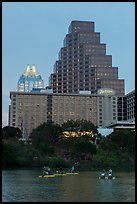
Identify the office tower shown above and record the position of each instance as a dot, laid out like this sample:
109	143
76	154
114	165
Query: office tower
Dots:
83	64
30	79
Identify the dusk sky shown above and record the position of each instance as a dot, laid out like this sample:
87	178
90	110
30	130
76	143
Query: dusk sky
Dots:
33	33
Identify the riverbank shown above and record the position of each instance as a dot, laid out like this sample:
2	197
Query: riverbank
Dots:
83	166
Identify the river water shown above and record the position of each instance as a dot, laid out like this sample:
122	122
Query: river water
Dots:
25	186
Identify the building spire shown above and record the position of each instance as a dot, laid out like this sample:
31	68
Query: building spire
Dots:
34	71
27	70
30	75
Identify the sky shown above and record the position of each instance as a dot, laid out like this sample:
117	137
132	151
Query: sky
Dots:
33	33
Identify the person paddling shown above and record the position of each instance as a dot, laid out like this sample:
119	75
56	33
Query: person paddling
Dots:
103	173
72	169
60	171
46	170
110	173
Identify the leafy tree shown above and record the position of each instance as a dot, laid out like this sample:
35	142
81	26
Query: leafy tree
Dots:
78	125
116	149
11	132
46	149
48	132
70	125
124	140
105	158
14	154
83	149
8	155
57	162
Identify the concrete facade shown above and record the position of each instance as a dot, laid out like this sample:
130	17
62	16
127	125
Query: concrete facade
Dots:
29	110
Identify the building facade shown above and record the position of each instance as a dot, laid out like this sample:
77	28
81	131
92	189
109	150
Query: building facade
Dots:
30	79
29	110
131	106
110	107
83	64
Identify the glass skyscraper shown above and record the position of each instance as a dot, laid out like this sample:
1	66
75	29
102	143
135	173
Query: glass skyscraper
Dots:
30	79
83	64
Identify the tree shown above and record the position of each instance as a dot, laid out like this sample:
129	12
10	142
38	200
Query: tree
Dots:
80	128
11	132
47	132
124	140
83	149
79	125
117	149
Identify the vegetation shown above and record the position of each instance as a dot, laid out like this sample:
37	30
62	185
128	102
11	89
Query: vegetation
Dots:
47	132
11	132
48	147
83	150
79	125
118	149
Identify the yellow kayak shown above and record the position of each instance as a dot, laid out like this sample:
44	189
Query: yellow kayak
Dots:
47	176
54	175
72	173
60	174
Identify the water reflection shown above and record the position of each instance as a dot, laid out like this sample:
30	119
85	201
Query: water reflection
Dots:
25	186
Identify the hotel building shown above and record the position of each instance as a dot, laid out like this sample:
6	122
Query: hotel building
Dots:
29	110
83	64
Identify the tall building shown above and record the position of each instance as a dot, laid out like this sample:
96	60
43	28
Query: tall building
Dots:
83	64
30	79
29	110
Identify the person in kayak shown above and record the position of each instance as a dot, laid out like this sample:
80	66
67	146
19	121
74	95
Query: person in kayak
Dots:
60	171
76	166
49	172
110	173
46	170
72	169
103	173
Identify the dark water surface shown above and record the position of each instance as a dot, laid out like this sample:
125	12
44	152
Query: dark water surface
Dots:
25	186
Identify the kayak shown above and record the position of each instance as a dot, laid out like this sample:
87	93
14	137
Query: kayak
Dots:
47	176
51	175
106	177
54	175
72	173
60	174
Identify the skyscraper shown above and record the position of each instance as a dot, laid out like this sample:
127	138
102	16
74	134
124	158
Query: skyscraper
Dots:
83	64
29	80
